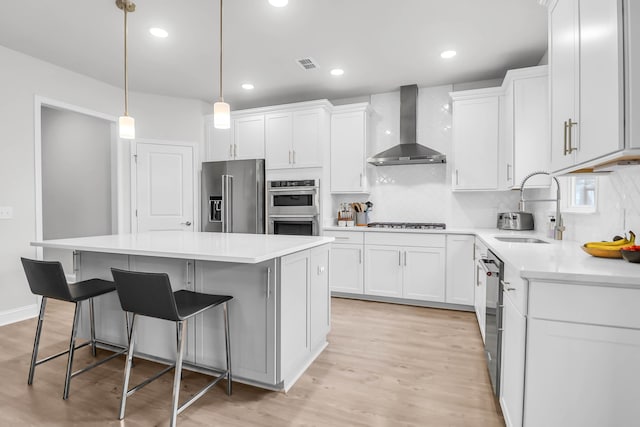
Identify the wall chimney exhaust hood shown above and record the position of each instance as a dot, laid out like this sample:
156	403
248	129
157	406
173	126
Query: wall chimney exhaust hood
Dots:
408	152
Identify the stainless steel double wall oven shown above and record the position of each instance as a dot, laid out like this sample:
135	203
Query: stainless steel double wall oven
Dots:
293	207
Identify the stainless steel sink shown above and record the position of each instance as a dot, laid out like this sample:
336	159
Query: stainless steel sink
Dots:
517	239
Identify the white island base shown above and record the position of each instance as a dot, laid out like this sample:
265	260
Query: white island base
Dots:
279	314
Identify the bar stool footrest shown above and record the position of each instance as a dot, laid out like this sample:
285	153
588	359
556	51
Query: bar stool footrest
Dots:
201	393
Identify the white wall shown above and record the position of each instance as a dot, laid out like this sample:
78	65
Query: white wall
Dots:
21	79
422	193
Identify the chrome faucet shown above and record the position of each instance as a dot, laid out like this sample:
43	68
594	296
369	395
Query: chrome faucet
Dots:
559	227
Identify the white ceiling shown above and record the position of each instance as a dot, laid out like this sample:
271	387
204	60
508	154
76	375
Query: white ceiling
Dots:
381	45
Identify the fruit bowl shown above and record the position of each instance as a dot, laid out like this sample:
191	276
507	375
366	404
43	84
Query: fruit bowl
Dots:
603	253
631	253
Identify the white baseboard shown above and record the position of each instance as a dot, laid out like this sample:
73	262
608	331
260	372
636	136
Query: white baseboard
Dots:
19	314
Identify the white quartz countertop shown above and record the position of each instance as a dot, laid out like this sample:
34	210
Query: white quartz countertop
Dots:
205	246
558	260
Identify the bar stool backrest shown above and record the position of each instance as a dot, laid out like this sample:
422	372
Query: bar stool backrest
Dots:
148	294
46	278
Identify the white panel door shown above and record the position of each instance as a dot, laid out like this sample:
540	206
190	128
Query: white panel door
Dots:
514	328
601	80
581	375
348	135
307	139
563	71
383	271
248	137
346	273
294	311
423	274
460	270
278	140
164	187
476	134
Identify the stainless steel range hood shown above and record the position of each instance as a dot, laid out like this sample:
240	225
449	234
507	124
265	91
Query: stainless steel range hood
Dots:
408	152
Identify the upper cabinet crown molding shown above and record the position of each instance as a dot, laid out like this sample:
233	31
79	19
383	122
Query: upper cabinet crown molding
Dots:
322	103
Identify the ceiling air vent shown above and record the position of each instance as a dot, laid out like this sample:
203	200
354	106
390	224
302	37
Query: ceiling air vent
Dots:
307	63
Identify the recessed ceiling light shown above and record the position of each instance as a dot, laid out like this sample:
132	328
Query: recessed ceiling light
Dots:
278	3
337	72
158	32
247	86
448	54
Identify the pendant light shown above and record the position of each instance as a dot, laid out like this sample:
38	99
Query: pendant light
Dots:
126	123
221	110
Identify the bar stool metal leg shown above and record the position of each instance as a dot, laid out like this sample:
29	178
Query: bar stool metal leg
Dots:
227	345
72	347
36	342
93	327
181	332
127	369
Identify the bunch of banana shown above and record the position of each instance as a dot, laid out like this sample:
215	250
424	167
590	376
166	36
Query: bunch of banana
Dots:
615	245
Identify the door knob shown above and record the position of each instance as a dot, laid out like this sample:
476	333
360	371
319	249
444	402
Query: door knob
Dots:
188	223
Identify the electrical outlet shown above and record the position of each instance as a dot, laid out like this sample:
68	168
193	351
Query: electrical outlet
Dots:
6	212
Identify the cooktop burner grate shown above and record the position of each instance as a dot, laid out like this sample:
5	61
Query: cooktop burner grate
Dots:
410	225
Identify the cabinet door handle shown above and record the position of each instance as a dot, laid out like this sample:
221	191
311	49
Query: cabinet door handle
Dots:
341	238
294	156
360	180
400	258
76	255
188	275
230	150
508	170
505	286
360	255
457	180
571	148
566	127
268	282
235	150
289	156
405	258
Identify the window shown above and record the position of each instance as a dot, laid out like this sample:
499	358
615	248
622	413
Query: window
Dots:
582	194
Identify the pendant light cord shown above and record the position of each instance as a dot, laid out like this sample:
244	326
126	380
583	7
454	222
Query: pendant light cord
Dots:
221	97
126	78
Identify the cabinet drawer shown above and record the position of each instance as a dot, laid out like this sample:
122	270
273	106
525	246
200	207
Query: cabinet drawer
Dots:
351	237
515	287
406	239
602	305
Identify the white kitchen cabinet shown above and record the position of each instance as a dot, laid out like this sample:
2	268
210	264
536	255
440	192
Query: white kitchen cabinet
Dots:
244	140
422	274
279	139
383	271
476	137
295	287
296	138
349	133
319	293
346	259
480	291
587	80
460	270
514	329
409	266
525	142
253	353
219	142
248	134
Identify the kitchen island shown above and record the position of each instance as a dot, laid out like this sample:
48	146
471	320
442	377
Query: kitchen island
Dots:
279	316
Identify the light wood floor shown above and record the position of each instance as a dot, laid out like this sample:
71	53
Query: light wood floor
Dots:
386	365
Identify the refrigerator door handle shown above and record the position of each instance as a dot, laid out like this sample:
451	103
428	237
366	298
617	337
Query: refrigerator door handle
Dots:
227	203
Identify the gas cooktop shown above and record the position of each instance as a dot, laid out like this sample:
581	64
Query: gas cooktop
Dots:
410	225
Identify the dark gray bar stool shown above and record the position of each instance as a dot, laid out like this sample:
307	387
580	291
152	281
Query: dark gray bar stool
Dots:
150	294
47	279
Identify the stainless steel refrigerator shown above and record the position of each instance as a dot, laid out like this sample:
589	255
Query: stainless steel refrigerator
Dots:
233	196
